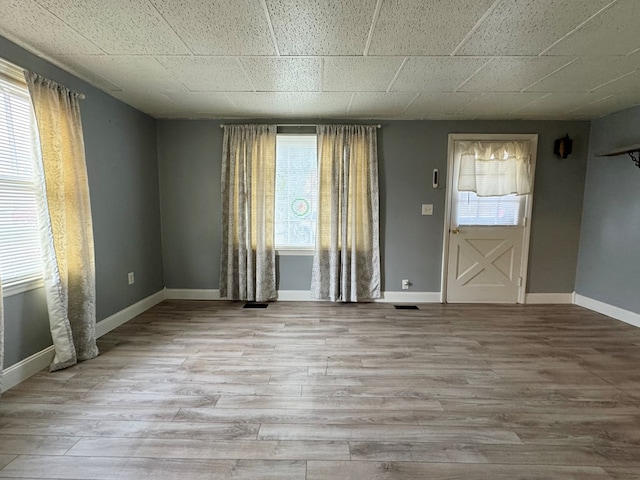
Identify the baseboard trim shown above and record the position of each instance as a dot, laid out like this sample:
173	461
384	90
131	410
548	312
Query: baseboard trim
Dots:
549	298
24	369
304	296
123	316
192	294
612	311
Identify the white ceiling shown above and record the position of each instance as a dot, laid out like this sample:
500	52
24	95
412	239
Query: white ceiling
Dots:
383	59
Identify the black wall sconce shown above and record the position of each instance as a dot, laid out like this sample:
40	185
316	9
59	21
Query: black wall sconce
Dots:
563	146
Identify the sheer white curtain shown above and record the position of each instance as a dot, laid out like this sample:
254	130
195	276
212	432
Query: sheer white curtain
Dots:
491	168
346	264
66	227
1	335
247	263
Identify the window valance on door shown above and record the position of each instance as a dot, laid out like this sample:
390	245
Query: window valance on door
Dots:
495	168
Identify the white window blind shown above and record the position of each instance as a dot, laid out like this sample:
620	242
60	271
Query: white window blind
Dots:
20	259
296	191
505	210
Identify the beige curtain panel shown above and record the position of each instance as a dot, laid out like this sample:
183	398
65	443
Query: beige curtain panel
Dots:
247	264
65	222
346	264
495	168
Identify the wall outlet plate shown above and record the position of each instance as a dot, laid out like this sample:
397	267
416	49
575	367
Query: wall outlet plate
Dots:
131	278
427	209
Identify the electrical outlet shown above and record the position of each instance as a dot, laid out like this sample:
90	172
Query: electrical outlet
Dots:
427	209
131	278
405	284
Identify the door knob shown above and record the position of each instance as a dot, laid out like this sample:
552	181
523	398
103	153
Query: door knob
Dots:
455	231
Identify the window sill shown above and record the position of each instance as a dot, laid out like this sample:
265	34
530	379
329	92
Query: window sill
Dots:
22	287
291	252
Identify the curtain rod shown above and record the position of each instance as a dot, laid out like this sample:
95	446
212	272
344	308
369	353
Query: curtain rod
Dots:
222	125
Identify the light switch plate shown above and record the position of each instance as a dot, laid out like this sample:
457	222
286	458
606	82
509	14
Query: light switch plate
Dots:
427	209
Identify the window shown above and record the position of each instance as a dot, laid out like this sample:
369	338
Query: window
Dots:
502	210
296	192
20	258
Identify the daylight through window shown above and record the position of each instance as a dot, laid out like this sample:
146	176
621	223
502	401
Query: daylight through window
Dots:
20	259
296	191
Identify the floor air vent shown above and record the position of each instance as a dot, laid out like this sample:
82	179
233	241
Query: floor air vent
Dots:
255	305
406	307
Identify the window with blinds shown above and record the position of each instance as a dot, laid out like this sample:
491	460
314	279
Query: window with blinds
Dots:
20	258
296	192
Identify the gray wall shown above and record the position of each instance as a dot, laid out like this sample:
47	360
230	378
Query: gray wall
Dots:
609	261
120	145
190	158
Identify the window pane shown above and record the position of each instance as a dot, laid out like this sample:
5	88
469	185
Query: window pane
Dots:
502	210
20	258
296	191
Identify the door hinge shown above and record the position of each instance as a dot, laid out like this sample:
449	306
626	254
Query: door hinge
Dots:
519	281
524	222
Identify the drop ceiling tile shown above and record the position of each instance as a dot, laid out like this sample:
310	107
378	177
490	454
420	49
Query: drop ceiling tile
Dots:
321	27
610	104
208	74
443	74
219	27
77	65
417	27
203	104
359	74
369	104
135	73
51	36
155	104
556	106
629	83
320	104
262	104
513	74
499	105
285	74
448	103
585	74
119	28
528	27
613	32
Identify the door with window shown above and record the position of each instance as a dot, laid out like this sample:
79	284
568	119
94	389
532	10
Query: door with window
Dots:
490	193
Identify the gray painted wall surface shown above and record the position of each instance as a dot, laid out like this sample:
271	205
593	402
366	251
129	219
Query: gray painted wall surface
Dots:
609	262
120	145
190	156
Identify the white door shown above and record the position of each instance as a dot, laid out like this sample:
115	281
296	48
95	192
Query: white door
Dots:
486	238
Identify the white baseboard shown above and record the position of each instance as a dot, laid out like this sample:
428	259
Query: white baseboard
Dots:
22	370
409	297
192	294
549	298
612	311
304	296
123	316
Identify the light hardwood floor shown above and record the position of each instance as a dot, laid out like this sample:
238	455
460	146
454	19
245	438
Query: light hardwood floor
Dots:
208	390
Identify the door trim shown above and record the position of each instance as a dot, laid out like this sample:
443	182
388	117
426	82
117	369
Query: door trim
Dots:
453	137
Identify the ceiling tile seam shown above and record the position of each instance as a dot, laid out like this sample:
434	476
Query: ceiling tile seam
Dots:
226	95
246	74
175	77
471	102
170	26
410	102
457	89
374	21
397	74
590	103
322	74
606	7
70	27
514	112
475	27
612	81
632	52
270	25
525	89
353	95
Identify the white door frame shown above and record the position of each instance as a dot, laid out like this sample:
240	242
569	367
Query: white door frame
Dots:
453	137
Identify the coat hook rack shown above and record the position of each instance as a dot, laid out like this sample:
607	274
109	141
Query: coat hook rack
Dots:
633	151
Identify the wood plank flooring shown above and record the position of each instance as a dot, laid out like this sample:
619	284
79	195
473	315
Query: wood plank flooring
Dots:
311	391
